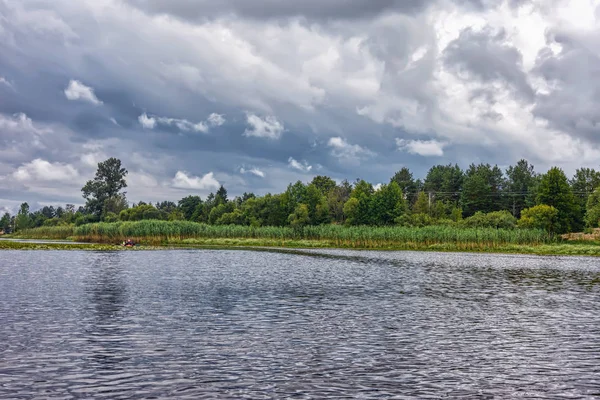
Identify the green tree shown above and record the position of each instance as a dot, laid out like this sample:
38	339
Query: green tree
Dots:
299	218
445	181
23	219
351	211
539	217
482	189
324	184
584	182
108	183
141	212
421	206
221	196
554	190
188	205
318	209
404	179
114	205
592	214
336	199
388	205
521	183
363	193
5	222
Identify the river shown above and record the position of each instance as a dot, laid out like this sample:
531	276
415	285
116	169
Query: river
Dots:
311	324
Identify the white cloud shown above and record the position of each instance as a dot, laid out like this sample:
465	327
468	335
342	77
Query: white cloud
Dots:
421	147
253	171
340	148
41	170
377	186
114	121
146	121
184	181
5	82
213	120
269	127
300	166
78	91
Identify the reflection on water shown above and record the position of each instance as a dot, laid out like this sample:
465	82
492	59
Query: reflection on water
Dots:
106	290
308	324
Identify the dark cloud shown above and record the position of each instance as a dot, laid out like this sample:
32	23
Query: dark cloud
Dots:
483	55
266	9
572	101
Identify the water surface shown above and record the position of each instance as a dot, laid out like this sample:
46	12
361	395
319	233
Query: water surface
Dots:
313	324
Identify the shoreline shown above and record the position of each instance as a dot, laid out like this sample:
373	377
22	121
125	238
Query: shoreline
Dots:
558	249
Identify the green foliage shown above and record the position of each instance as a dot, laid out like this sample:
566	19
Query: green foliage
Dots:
421	206
351	211
336	199
5	222
496	219
107	184
387	204
554	190
404	179
324	184
521	183
445	181
299	218
188	205
539	217
481	189
154	231
23	220
584	182
592	215
141	212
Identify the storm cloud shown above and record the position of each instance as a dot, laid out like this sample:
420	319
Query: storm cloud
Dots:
254	94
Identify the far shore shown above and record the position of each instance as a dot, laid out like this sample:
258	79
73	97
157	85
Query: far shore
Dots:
558	249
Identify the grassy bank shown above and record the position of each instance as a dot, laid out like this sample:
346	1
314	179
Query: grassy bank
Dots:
184	234
8	245
176	232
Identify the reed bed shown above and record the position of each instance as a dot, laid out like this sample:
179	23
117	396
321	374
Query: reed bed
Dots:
165	232
47	232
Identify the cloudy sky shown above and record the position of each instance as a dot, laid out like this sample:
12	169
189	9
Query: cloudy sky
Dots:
253	94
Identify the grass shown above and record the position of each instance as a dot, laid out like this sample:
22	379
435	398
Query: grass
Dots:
165	232
184	234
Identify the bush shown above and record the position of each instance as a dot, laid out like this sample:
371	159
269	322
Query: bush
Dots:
539	217
496	219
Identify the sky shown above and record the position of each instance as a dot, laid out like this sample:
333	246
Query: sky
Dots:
255	94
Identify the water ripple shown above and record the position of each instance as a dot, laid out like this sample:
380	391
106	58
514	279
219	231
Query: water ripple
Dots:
306	324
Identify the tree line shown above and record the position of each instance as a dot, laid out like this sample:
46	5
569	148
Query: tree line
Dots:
481	195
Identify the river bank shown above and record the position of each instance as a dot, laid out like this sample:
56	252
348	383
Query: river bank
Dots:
559	249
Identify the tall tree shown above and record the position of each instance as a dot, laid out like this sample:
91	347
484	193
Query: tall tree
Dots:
521	182
108	183
388	204
324	183
188	205
584	182
445	182
358	207
482	189
404	179
23	219
5	221
336	199
221	196
554	190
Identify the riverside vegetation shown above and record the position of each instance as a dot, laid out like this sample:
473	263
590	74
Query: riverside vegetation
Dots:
480	209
